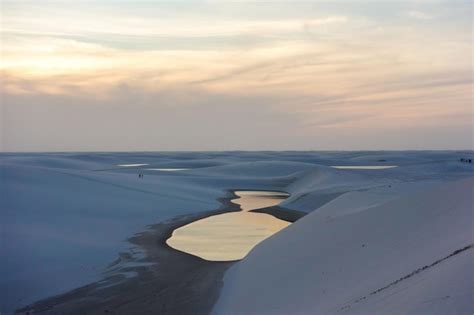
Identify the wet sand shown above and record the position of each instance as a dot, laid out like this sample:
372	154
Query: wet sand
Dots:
176	282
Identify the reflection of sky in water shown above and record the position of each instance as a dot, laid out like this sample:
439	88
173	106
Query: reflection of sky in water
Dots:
167	169
364	167
230	236
130	165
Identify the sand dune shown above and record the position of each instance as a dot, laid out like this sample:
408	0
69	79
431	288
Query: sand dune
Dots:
70	215
411	255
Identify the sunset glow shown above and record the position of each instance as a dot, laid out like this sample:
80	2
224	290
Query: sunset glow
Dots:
319	75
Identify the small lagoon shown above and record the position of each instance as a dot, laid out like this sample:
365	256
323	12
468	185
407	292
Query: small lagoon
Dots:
230	236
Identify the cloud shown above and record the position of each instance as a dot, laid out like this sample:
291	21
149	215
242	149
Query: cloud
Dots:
287	79
419	15
169	119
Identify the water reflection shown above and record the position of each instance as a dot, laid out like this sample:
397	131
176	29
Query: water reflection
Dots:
168	169
130	165
364	167
230	236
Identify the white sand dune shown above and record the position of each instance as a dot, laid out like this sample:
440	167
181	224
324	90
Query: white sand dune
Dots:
390	259
257	169
69	214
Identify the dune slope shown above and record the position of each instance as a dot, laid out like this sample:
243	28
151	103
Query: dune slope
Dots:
411	255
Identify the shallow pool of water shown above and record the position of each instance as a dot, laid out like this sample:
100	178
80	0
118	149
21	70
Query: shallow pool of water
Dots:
131	165
167	169
363	167
230	236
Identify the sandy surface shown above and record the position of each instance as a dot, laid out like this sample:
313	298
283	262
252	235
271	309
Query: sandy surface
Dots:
72	221
174	283
407	255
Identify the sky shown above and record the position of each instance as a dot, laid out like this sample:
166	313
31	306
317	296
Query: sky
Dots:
111	75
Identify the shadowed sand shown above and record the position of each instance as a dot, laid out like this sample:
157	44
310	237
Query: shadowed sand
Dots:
282	213
172	282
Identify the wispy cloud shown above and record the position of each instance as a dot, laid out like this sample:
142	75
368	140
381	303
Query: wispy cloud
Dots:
332	69
419	15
